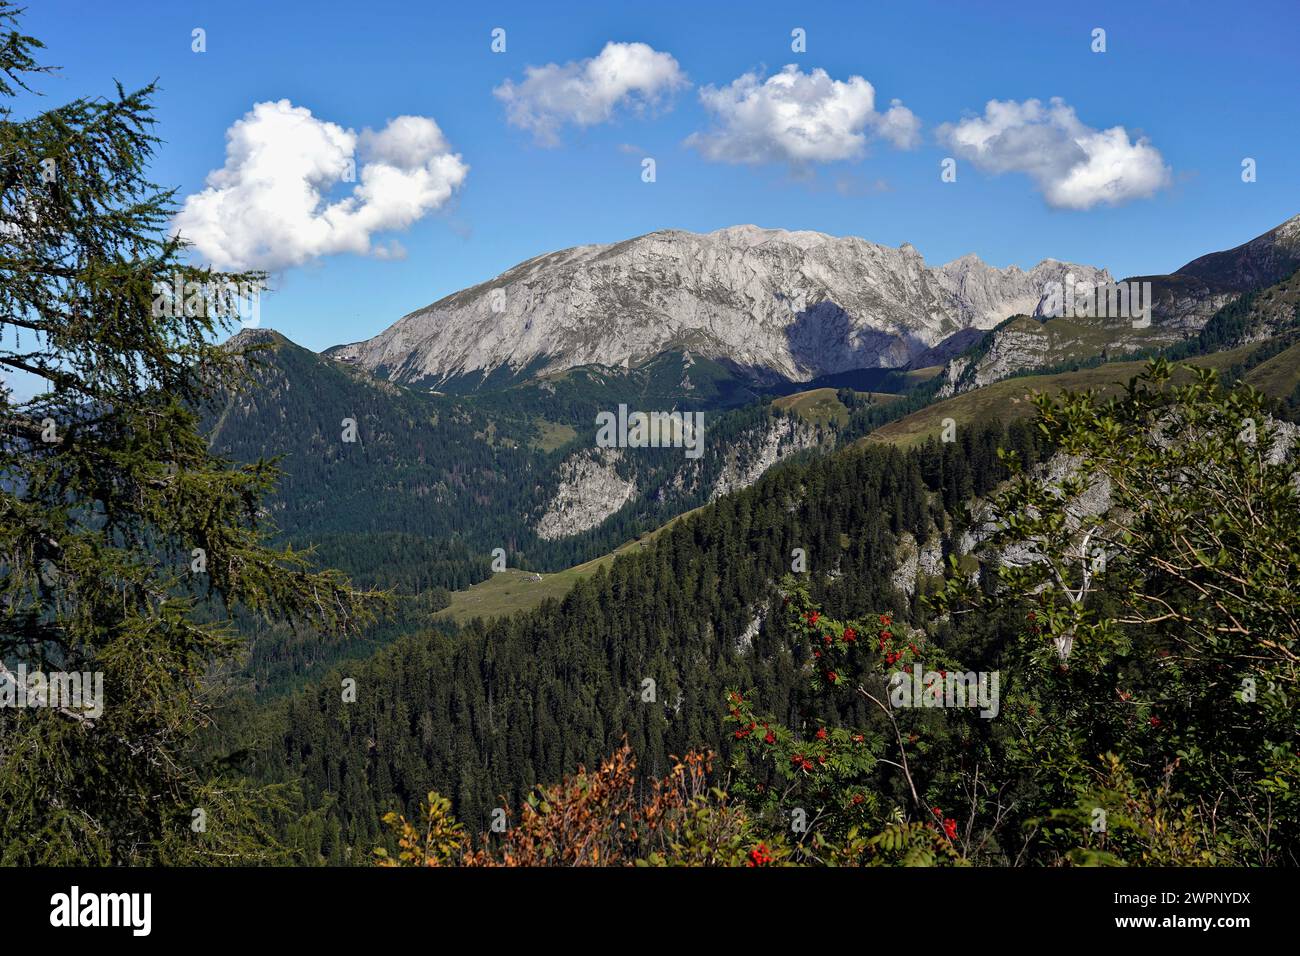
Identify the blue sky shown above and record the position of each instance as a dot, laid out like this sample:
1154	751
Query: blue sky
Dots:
1206	85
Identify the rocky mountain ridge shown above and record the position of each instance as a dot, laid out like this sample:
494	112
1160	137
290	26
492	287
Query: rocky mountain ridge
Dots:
769	302
1182	303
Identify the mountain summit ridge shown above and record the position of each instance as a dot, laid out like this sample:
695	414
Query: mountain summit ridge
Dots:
772	302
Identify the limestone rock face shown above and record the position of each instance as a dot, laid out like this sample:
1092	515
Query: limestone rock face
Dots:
917	559
1181	304
590	490
768	301
746	463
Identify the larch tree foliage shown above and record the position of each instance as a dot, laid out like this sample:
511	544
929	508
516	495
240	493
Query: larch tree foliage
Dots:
124	543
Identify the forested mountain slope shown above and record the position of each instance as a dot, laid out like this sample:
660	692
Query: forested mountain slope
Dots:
646	645
503	705
415	492
363	457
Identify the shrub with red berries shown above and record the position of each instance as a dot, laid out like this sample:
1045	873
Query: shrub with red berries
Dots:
836	775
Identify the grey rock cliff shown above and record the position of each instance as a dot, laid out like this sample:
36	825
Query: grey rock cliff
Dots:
793	304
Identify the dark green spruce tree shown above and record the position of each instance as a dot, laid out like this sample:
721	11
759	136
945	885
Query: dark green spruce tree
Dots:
124	543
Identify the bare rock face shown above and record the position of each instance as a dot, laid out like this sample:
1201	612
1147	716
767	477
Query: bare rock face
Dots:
981	291
915	559
590	490
772	302
1014	347
746	639
746	464
595	483
1023	344
1184	304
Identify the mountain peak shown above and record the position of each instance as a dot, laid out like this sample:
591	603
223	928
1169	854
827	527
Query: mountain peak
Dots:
751	235
255	336
1289	230
1258	263
793	303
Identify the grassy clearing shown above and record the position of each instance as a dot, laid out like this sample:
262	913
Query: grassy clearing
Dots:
552	435
917	376
1279	376
514	590
820	406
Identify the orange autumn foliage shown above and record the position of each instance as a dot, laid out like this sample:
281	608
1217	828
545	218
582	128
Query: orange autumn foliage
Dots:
596	818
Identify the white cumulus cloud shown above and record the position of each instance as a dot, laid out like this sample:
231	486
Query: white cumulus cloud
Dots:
269	206
798	118
587	92
1073	165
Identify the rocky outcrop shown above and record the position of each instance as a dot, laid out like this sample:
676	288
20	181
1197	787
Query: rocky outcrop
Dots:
913	561
746	639
590	490
981	292
746	463
1010	349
